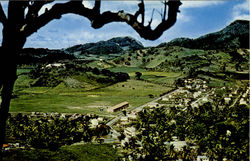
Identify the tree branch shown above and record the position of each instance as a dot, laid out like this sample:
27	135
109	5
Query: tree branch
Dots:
98	20
3	18
165	9
16	13
34	8
97	6
141	11
152	15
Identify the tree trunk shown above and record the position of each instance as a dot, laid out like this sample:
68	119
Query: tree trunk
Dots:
12	43
7	88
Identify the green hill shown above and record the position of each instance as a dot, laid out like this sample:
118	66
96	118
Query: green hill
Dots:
235	35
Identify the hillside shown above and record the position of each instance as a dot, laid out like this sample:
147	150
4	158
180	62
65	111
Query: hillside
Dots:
180	59
236	35
113	46
89	51
222	55
231	38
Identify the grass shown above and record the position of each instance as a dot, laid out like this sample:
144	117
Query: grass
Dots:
153	76
79	100
130	70
85	152
92	97
161	77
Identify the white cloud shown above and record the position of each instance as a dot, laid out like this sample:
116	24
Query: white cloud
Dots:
67	36
200	4
42	10
87	4
241	11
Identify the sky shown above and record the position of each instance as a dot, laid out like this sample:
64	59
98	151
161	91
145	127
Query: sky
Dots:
197	18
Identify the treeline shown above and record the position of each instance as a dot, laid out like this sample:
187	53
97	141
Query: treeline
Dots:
34	56
52	75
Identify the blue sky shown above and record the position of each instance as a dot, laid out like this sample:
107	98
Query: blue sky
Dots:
196	19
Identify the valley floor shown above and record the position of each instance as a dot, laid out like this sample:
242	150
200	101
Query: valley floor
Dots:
153	90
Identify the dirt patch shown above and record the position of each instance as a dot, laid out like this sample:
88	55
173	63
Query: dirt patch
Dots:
73	83
93	96
74	107
99	104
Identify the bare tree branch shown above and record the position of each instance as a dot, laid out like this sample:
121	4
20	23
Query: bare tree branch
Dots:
141	11
98	20
34	8
3	18
165	10
97	6
152	15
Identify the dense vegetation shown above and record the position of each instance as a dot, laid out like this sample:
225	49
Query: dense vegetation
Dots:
51	76
54	130
214	129
89	152
41	56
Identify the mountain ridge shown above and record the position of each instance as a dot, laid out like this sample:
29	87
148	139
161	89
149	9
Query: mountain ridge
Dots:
235	35
112	46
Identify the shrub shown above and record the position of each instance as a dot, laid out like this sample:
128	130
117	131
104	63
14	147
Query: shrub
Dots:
53	131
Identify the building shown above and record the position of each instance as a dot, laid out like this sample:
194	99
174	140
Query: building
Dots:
131	116
118	107
178	145
202	158
130	131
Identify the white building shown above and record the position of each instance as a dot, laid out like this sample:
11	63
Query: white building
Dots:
131	131
202	158
178	145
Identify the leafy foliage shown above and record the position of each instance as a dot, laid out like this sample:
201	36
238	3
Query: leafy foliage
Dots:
89	152
53	132
219	131
53	76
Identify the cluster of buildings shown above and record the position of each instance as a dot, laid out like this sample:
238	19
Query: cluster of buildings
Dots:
194	93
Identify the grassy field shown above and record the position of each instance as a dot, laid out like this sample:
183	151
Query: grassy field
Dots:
85	152
94	98
79	100
152	76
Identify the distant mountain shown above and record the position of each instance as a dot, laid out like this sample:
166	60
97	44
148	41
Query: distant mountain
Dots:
236	35
112	46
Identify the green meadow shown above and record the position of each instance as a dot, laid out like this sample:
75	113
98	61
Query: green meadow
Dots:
91	99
